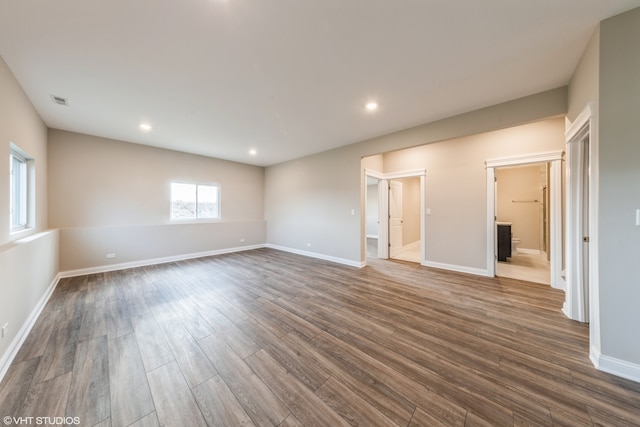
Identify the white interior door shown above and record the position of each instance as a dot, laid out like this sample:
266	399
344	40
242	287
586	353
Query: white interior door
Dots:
585	228
395	218
577	306
383	219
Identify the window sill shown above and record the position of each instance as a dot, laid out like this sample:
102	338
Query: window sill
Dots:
19	232
195	221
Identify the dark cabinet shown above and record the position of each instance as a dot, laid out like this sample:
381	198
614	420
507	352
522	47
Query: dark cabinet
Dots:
504	241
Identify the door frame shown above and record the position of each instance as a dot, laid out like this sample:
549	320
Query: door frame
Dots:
555	209
582	128
383	209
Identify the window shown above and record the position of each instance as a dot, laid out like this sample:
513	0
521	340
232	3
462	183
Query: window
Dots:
19	205
195	201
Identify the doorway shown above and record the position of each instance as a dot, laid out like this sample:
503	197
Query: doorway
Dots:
404	219
554	217
523	229
394	226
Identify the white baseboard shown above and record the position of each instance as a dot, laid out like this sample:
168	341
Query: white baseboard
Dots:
317	255
617	367
143	263
23	333
458	268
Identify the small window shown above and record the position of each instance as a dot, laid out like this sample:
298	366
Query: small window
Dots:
19	167
194	201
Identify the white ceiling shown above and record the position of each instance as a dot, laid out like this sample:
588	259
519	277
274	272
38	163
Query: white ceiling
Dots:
286	77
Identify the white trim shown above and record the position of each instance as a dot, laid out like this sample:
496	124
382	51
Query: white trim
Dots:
405	174
372	236
383	220
154	261
330	258
525	159
594	240
453	267
580	122
611	365
582	127
23	333
383	209
423	217
373	174
556	227
492	244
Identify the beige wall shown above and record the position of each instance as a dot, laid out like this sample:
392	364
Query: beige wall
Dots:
309	200
619	187
584	87
28	260
21	124
110	196
456	193
522	184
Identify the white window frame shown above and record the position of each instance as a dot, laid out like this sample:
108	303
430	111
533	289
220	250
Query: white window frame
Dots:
21	192
218	212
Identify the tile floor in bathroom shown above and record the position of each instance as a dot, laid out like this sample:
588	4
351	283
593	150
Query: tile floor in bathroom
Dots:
525	266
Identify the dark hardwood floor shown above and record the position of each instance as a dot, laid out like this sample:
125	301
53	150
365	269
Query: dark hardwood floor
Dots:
269	338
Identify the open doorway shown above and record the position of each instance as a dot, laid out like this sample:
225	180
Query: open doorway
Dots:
553	209
522	215
394	226
404	219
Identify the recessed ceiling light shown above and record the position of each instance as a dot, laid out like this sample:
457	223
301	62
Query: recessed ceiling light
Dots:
145	126
253	152
372	106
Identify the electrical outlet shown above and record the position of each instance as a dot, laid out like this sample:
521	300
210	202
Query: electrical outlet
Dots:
110	256
4	329
241	240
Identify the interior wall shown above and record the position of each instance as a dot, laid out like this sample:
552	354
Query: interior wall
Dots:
517	190
619	189
308	201
110	196
584	84
21	124
29	259
456	193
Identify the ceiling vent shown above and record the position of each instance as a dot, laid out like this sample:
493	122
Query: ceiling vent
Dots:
60	100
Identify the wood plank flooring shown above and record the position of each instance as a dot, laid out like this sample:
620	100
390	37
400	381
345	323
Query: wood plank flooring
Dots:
268	338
